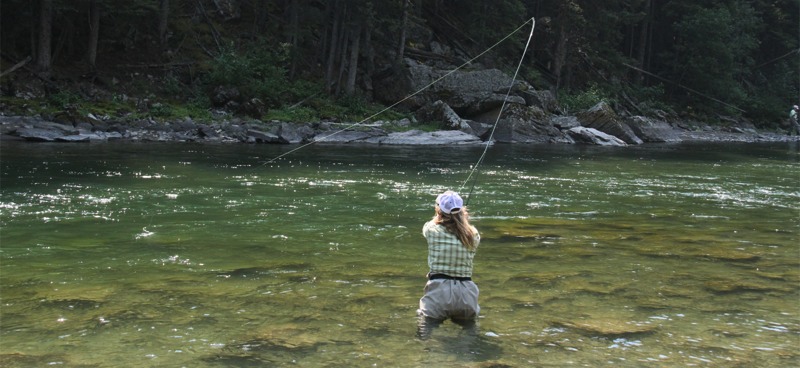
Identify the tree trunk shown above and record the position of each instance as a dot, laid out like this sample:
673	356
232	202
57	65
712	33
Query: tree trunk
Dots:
401	46
352	67
43	54
260	18
370	55
560	53
94	33
163	16
294	36
342	54
33	26
332	50
643	38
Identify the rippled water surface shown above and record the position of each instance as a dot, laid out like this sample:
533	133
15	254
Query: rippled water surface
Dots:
208	256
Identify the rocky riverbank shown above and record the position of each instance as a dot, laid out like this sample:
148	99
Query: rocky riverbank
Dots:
462	106
560	129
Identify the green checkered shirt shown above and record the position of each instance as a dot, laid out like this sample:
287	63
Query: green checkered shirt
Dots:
446	254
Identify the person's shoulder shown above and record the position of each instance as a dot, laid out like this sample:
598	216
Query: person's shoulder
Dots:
428	225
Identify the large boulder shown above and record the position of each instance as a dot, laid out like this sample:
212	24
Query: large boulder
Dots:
443	116
594	136
468	92
603	118
543	99
260	136
295	133
45	131
522	124
652	130
565	122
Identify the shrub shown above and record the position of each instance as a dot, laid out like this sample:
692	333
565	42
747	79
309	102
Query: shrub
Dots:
260	72
584	99
62	99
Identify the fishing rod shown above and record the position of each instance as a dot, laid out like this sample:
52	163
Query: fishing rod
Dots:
502	107
468	62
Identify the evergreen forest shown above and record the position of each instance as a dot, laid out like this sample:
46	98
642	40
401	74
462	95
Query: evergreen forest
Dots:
316	59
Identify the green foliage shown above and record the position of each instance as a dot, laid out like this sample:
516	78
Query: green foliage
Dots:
258	72
297	114
63	99
189	110
737	51
712	49
161	110
425	126
650	98
585	99
172	86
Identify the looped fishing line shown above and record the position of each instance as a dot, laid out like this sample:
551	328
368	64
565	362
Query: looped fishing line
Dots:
420	91
502	107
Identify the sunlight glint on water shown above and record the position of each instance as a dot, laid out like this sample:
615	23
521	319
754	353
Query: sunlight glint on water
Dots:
205	256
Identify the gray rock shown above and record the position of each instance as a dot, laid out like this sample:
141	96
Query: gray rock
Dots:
543	99
480	129
112	136
442	115
418	137
294	133
35	134
466	92
651	130
83	137
258	136
604	119
342	136
565	122
594	136
521	124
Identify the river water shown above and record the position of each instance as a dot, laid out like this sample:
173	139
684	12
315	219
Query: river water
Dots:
131	254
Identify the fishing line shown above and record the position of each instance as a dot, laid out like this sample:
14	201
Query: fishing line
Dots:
505	100
416	93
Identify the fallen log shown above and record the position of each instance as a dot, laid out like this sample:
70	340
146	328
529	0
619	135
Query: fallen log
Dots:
16	66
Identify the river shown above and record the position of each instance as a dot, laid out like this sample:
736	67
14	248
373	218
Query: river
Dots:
189	255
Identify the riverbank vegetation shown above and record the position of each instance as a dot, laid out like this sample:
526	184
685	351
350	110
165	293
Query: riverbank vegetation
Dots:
304	60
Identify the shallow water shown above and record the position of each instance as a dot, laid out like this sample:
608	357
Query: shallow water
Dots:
208	256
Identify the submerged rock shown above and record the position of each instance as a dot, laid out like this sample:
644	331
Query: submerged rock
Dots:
608	327
725	286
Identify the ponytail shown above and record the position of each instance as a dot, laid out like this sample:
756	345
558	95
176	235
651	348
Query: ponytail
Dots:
458	224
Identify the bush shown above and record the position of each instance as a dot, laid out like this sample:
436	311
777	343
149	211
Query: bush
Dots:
297	114
62	99
260	72
584	99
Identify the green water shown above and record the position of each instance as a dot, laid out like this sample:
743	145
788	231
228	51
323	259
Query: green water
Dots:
189	255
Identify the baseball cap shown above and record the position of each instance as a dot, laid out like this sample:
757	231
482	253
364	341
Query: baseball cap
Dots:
449	202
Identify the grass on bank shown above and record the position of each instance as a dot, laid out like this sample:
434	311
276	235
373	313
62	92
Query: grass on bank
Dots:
123	108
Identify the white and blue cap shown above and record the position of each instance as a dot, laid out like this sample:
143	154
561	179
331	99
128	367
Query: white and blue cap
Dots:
449	202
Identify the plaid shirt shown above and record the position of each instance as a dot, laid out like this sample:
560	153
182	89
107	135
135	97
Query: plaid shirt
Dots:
446	254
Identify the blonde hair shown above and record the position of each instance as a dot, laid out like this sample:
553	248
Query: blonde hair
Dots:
457	223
